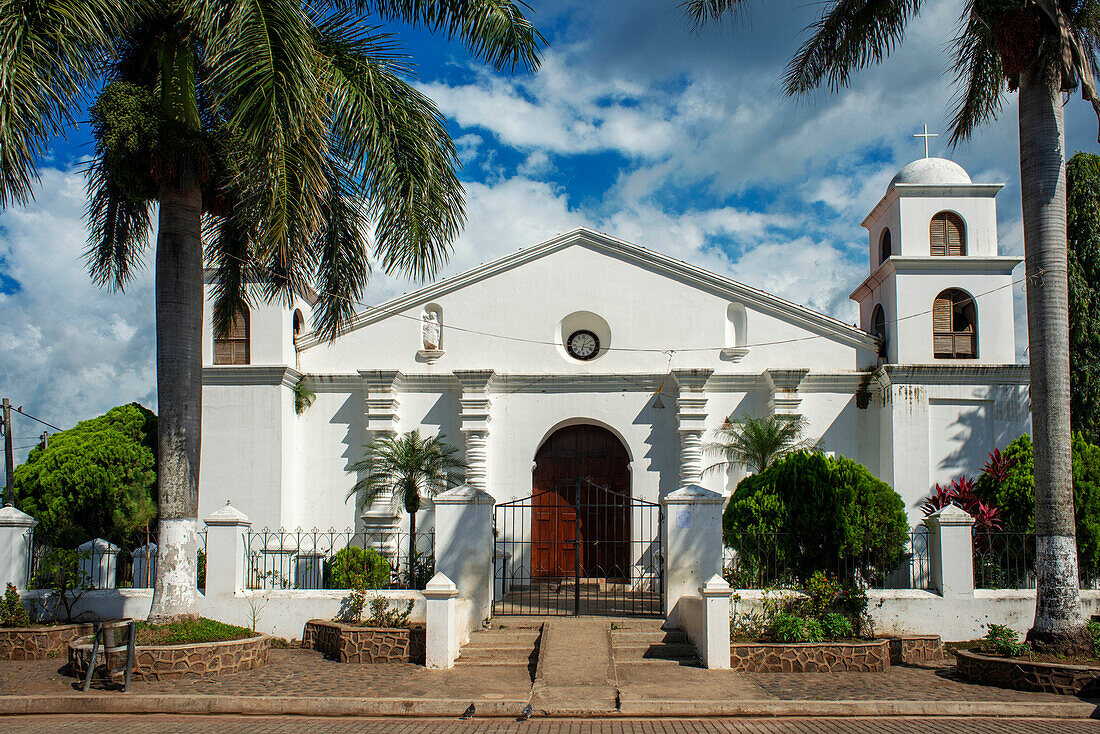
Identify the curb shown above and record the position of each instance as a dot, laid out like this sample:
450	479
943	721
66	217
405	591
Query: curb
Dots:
510	708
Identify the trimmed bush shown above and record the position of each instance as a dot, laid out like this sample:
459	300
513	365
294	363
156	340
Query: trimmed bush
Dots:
837	626
12	611
356	568
827	514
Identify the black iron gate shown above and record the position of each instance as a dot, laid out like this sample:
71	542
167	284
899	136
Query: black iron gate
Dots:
579	548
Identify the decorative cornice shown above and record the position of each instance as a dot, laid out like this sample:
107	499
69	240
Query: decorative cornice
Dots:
971	191
250	374
599	242
990	374
935	264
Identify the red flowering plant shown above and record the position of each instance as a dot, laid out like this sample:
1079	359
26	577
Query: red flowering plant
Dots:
961	492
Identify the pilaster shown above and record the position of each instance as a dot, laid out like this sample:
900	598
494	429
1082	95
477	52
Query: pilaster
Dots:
691	416
381	419
474	416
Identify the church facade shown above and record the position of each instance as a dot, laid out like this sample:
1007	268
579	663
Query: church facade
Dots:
589	356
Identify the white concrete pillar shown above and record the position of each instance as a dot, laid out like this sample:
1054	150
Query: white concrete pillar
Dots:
951	545
693	541
473	420
464	547
16	541
226	554
691	416
715	651
144	565
98	561
442	642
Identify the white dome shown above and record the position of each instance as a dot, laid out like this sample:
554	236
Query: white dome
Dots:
931	171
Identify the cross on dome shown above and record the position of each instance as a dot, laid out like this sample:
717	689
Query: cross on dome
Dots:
926	135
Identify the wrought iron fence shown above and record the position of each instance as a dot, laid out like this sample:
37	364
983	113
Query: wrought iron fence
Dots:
1004	560
334	559
781	560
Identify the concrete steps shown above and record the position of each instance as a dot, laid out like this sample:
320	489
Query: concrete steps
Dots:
515	646
644	645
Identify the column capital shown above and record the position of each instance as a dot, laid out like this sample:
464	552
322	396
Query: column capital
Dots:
464	495
228	516
693	494
13	517
785	398
948	516
691	380
474	381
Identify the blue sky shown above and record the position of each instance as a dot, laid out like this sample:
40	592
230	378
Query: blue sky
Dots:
635	126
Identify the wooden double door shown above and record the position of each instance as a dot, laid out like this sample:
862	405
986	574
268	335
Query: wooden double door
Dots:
581	520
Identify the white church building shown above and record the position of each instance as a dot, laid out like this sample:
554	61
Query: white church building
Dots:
589	356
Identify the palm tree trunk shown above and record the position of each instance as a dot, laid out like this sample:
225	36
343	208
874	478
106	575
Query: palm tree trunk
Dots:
1058	626
179	307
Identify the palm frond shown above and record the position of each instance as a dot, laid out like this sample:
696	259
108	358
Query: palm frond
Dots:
493	31
703	12
849	36
342	262
757	442
979	76
407	467
228	253
118	230
395	139
50	56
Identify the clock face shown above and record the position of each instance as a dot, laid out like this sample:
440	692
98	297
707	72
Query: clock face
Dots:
583	344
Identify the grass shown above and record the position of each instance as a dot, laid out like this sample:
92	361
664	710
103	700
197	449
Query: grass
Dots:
189	631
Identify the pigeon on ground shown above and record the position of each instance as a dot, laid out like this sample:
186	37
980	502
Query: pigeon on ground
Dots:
525	714
468	713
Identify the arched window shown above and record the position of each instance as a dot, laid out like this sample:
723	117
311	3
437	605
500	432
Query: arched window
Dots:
947	234
299	323
233	347
878	328
954	325
884	246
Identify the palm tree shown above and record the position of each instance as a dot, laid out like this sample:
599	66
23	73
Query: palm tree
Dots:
269	133
407	468
757	442
1042	48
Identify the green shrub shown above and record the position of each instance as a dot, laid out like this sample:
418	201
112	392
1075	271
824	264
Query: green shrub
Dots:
1001	640
354	567
837	627
786	627
1094	630
829	514
12	611
1015	496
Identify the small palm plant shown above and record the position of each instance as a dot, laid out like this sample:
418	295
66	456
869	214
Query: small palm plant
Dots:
408	467
757	442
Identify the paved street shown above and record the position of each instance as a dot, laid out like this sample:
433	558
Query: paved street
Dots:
294	725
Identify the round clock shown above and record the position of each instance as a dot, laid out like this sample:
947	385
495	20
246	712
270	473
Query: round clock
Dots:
583	344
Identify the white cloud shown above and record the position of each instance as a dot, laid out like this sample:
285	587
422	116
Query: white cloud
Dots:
70	349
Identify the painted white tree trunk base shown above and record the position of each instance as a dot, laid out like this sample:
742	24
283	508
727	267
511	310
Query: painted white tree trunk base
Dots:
175	592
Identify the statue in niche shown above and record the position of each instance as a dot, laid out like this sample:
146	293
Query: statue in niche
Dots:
431	330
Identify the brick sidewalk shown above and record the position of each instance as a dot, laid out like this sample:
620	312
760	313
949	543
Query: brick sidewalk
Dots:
158	724
306	674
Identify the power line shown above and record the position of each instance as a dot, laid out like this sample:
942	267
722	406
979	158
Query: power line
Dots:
28	415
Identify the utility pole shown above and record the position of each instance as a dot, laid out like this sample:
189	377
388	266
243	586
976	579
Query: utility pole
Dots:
9	458
45	440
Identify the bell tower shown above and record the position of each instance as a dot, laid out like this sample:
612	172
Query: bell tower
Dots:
938	292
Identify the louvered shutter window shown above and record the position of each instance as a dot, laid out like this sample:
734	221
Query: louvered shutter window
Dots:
953	317
947	235
233	348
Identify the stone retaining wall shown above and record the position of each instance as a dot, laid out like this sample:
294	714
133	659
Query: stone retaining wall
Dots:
39	643
1024	675
915	649
166	662
349	644
810	657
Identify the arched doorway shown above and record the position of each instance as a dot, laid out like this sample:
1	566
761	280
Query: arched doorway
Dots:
581	500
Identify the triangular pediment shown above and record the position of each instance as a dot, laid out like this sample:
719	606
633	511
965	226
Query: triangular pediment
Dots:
683	273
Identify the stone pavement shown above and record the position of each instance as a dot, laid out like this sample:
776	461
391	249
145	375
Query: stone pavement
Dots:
584	667
158	724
